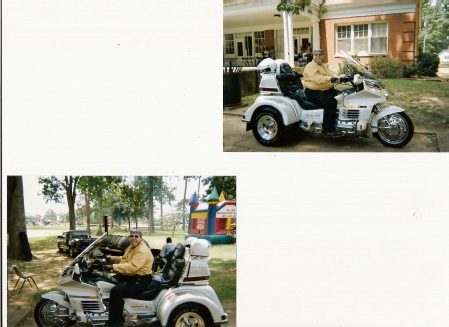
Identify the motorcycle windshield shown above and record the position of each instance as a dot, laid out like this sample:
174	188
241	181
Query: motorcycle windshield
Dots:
351	66
89	250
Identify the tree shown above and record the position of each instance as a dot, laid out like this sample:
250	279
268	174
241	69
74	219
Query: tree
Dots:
96	187
175	216
135	200
173	219
186	179
150	186
49	216
164	194
118	207
63	217
435	29
15	217
54	189
294	6
225	184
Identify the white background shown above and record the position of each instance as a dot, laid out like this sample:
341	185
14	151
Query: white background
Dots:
135	88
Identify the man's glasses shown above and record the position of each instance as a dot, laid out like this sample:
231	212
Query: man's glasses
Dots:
133	236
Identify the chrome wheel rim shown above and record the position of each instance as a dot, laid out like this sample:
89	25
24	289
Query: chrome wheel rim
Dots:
393	129
190	319
53	314
267	127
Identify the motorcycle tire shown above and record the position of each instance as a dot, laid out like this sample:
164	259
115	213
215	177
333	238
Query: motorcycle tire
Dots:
48	313
190	314
401	132
268	128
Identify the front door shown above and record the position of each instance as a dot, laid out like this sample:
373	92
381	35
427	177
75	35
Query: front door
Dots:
244	49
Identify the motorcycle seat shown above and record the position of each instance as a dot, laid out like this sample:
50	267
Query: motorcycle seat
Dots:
153	290
300	96
290	84
289	80
172	272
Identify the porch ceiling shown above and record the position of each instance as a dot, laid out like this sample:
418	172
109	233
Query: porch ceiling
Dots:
248	19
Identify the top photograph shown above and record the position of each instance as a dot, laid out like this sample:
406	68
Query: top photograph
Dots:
335	76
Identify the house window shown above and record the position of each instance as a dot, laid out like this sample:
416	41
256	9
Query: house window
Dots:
259	41
379	38
303	30
363	38
229	44
279	41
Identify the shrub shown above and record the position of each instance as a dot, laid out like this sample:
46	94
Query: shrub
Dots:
426	65
409	71
383	66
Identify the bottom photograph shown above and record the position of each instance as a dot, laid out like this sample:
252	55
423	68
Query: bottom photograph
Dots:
121	250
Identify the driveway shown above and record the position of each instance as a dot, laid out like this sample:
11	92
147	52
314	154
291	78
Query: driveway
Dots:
236	139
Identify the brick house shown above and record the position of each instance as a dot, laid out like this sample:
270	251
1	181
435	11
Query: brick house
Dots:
366	27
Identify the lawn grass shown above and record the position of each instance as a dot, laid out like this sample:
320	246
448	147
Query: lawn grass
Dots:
223	278
43	243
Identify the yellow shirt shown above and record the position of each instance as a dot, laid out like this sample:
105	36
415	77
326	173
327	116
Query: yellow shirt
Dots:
135	261
317	77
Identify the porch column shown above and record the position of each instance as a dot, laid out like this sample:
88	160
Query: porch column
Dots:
288	38
316	34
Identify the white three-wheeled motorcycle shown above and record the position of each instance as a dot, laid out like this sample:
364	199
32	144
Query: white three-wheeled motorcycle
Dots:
283	106
178	297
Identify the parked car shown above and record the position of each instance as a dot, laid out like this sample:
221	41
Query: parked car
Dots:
74	241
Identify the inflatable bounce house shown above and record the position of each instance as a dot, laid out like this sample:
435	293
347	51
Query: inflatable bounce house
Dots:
215	222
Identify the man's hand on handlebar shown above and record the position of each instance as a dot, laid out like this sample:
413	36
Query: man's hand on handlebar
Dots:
108	268
334	79
345	79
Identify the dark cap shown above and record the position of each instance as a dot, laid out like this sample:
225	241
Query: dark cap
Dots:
136	232
318	51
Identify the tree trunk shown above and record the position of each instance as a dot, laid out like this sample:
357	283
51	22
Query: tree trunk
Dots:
87	201
184	208
15	217
70	187
100	218
151	211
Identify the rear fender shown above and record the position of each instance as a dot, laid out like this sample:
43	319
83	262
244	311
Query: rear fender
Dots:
287	108
175	299
58	297
385	112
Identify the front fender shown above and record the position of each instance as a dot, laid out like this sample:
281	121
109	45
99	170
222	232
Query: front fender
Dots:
58	297
385	112
170	302
288	108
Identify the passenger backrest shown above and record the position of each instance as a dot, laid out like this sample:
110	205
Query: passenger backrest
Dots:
175	264
289	80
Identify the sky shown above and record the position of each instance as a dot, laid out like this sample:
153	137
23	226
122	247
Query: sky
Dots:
35	204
